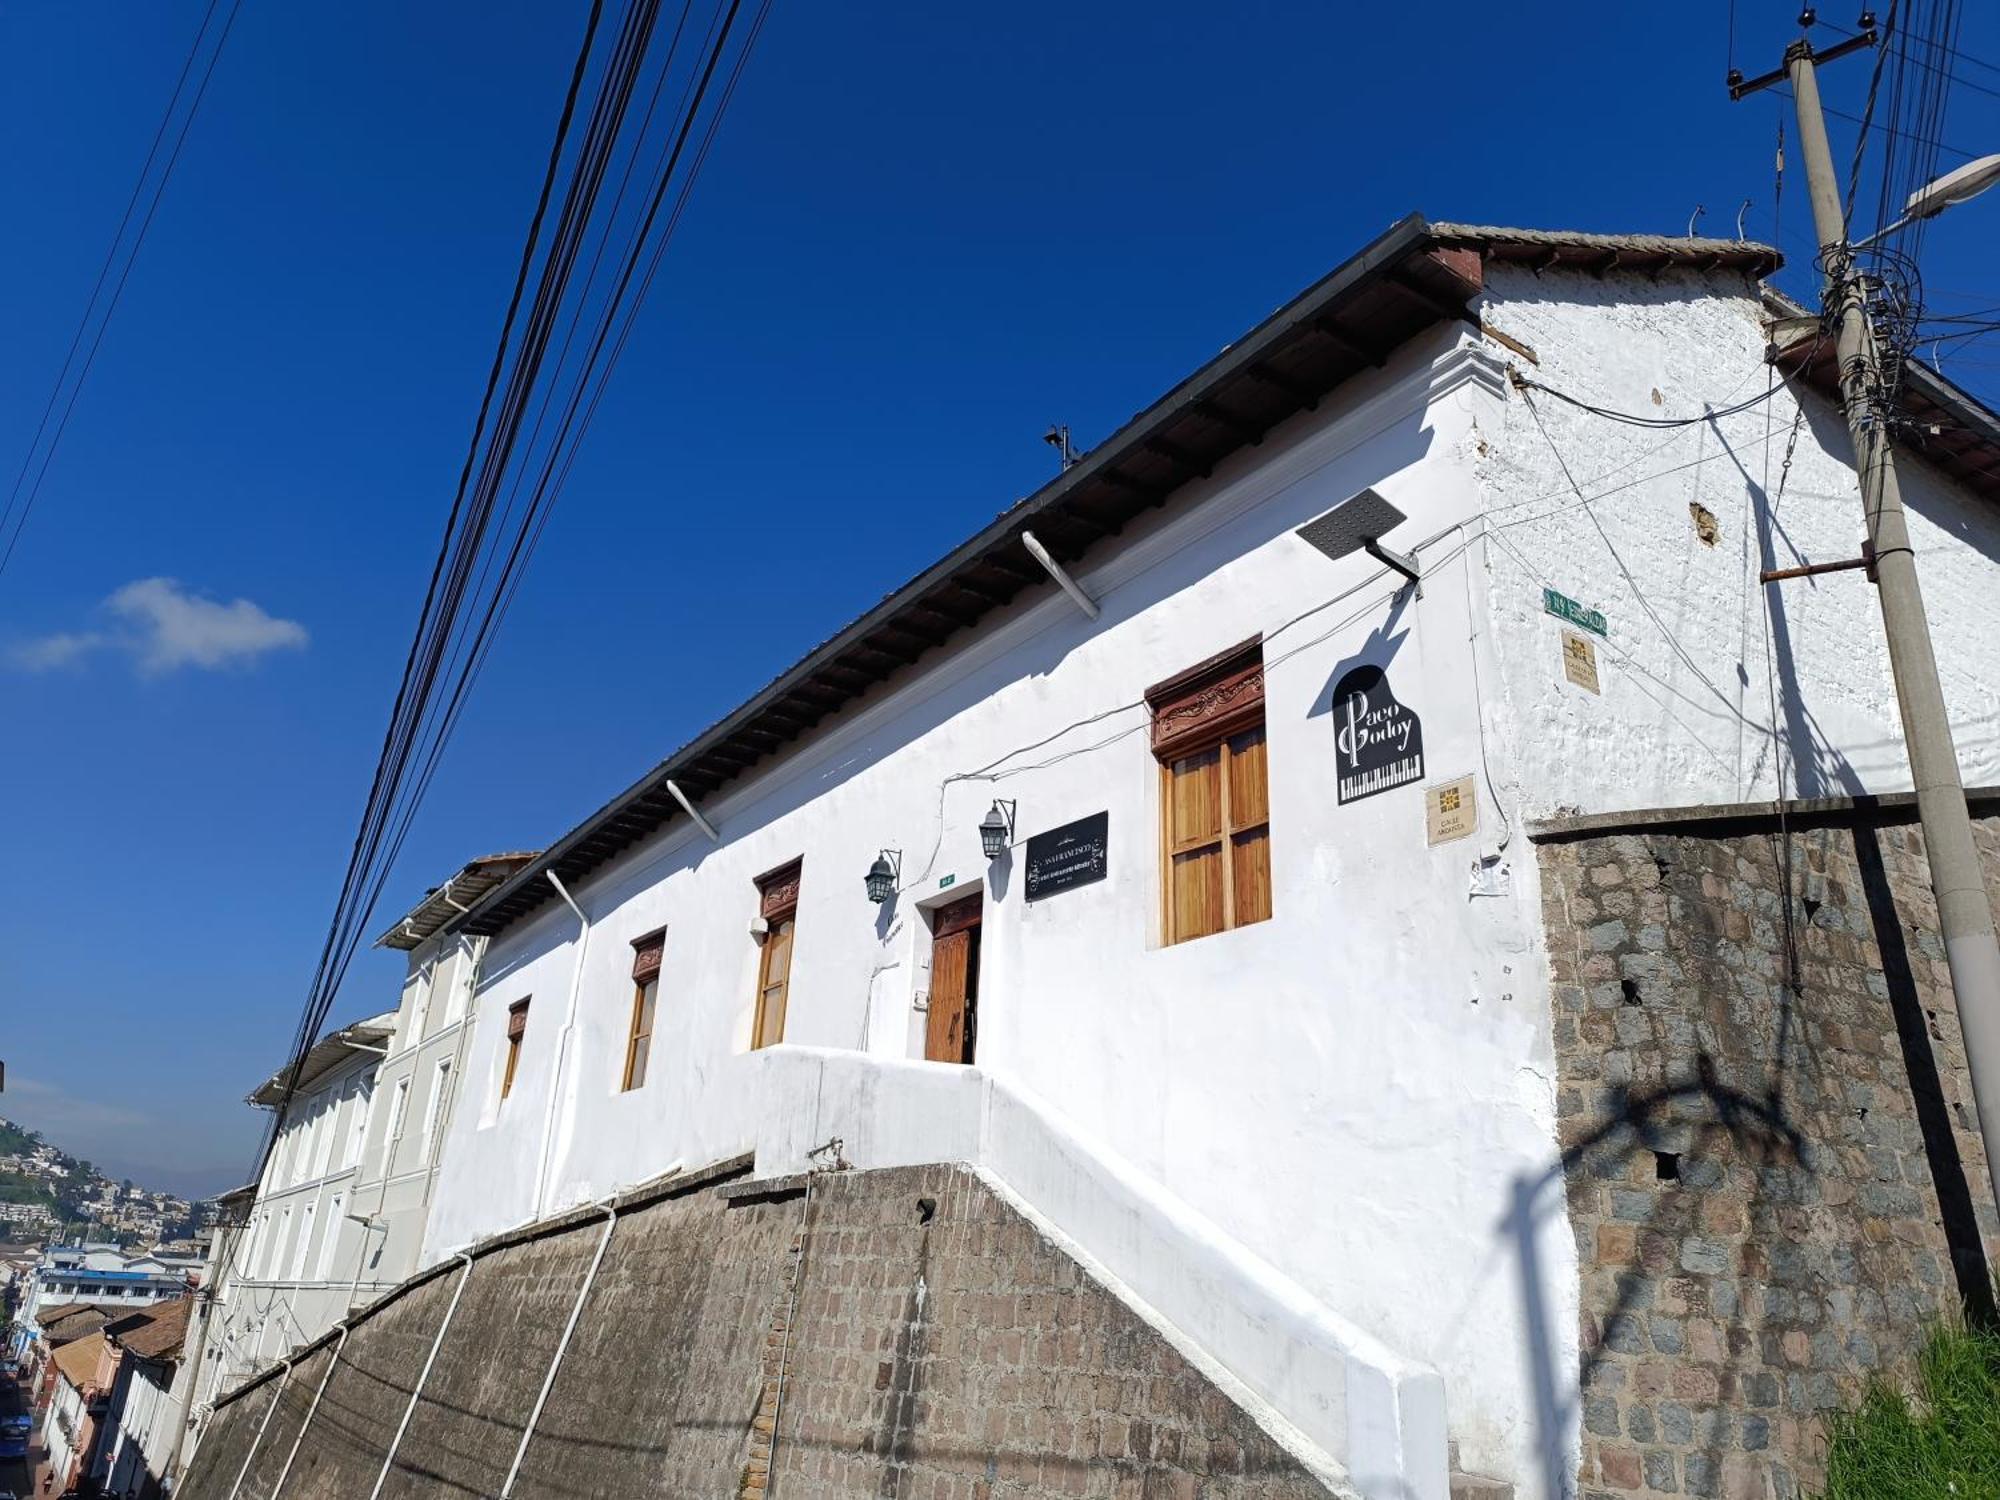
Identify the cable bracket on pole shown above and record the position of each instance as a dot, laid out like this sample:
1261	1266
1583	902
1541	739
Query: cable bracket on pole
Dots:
1813	570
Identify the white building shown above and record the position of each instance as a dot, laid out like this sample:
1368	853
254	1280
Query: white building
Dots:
142	1419
1254	997
298	1265
102	1275
417	1080
339	1215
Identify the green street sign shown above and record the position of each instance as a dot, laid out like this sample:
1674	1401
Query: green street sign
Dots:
1565	608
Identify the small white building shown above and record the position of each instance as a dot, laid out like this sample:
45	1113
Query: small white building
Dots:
297	1266
1206	921
417	1081
338	1217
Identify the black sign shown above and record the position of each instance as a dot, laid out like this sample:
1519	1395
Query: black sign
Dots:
1069	856
1379	743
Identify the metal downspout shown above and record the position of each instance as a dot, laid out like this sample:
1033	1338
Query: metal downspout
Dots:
251	1452
547	1162
416	1393
610	1207
278	1489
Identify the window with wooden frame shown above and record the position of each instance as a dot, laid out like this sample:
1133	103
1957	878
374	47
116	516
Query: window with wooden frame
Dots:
778	906
646	954
517	1027
1215	806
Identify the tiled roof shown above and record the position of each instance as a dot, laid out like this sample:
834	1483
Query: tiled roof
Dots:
75	1324
161	1335
78	1360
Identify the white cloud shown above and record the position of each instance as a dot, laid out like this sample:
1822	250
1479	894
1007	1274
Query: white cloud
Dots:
162	626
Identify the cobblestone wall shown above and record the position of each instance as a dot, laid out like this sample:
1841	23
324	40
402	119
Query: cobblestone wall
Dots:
1768	1142
904	1333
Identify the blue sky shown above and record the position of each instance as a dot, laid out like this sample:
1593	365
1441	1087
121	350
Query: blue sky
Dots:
926	233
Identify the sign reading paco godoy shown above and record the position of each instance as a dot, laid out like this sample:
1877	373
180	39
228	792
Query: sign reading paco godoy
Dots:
1069	856
1379	743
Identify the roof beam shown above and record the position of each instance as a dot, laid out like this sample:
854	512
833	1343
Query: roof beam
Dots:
1297	390
1410	287
1174	453
1216	412
1331	331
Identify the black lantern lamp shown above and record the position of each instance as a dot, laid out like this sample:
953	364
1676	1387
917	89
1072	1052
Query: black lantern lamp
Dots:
883	875
996	831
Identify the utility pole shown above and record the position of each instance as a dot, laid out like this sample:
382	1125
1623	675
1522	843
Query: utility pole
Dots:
1957	880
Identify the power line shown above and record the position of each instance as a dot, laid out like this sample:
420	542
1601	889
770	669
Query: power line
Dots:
1631	419
48	453
513	473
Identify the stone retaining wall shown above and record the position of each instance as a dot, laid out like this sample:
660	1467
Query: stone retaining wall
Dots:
906	1333
1769	1149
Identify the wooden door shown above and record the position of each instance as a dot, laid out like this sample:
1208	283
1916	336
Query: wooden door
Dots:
949	1034
774	978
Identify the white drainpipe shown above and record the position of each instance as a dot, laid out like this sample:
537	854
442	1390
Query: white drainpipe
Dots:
283	1381
547	1163
278	1489
610	1207
417	1392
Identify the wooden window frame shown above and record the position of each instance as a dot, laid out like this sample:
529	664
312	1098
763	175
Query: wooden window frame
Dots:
517	1031
777	901
648	953
1205	708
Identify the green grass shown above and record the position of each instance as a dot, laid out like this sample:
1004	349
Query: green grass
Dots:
1938	1441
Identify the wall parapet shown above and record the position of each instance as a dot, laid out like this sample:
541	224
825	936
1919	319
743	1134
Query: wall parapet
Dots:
1375	1416
1719	818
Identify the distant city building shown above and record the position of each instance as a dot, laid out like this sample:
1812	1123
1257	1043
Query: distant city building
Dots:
338	1215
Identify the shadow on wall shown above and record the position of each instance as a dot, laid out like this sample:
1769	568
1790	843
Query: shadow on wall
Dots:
1762	1161
1634	1123
1817	769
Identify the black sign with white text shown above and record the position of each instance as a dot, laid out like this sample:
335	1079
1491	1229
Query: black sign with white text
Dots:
1379	743
1069	856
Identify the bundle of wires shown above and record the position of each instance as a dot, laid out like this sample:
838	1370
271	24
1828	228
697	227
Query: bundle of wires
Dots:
560	339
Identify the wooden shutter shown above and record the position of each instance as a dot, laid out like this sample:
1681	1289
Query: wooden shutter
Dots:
778	905
1247	808
517	1028
774	978
1208	732
639	1042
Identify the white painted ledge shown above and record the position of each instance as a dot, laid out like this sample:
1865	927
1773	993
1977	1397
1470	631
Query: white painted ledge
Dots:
1380	1416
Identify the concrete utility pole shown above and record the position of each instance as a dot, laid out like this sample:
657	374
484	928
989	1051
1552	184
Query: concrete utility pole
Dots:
1957	880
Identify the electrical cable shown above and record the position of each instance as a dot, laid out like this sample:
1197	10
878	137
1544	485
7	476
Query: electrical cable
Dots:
1868	115
517	459
1632	419
48	452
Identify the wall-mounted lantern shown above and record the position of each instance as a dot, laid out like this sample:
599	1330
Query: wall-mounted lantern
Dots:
883	875
996	831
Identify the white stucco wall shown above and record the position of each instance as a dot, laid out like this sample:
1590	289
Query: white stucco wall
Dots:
1359	1091
1370	1068
398	1166
1687	671
287	1277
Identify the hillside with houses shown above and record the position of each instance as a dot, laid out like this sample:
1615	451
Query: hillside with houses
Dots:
48	1194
